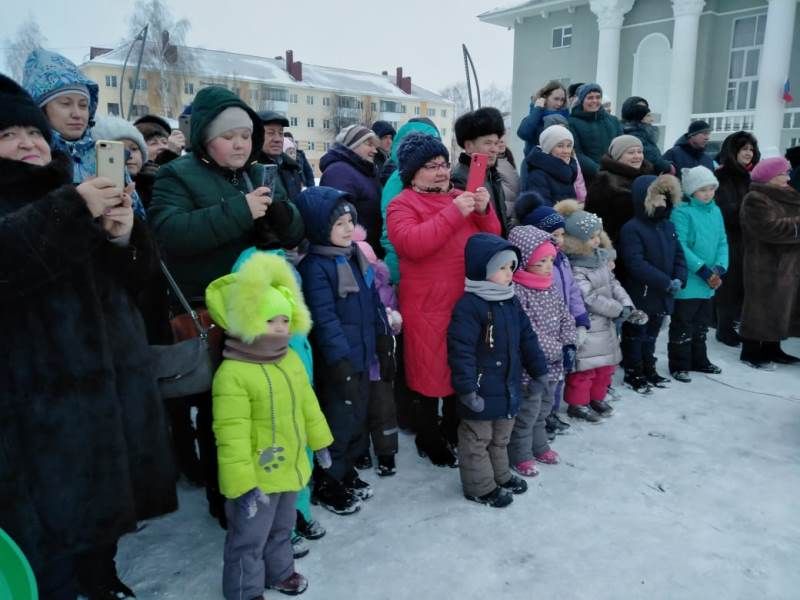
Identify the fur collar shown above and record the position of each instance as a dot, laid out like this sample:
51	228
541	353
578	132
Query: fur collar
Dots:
625	174
21	182
787	195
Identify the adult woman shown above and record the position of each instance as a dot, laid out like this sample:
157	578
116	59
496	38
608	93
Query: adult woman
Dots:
349	166
593	128
738	156
509	177
770	218
610	196
84	451
549	100
637	121
208	206
429	224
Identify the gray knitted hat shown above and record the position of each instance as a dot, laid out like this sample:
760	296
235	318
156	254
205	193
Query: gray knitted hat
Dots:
582	225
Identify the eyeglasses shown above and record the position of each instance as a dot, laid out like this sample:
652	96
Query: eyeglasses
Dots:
436	166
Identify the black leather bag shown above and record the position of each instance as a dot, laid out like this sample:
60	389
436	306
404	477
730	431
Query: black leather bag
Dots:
186	367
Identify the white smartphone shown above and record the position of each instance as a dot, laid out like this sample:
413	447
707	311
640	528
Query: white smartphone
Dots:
111	161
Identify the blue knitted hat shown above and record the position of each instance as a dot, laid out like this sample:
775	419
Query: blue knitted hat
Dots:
584	91
415	150
545	218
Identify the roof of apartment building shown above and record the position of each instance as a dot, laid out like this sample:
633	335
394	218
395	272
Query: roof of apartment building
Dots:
245	67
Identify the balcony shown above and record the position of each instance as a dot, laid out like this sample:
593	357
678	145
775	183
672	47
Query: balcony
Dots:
725	123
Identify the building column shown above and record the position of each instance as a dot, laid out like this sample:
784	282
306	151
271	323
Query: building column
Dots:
610	14
773	69
684	56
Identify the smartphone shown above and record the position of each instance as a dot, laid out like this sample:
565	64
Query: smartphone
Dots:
111	161
270	173
477	171
185	125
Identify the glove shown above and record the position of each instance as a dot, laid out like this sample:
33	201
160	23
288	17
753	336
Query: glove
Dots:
637	317
324	459
626	312
343	375
385	349
581	334
569	352
674	286
473	401
247	504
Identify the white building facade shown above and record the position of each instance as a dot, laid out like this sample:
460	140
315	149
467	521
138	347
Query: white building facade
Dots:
723	61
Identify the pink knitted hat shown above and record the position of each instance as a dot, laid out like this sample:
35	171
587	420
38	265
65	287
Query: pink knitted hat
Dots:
543	250
768	168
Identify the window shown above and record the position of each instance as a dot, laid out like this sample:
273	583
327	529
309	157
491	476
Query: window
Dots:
416	110
443	112
139	110
326	123
111	81
112	108
310	122
326	101
141	85
326	146
431	112
562	36
402	108
309	99
374	106
293	98
389	106
746	42
311	146
188	88
293	121
444	131
348	102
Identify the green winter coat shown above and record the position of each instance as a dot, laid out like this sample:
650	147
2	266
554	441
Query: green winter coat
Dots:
701	232
593	132
199	212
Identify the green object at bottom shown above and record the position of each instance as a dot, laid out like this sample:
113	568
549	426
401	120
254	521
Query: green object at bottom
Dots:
16	576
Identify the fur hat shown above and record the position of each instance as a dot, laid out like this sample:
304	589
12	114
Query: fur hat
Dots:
695	178
620	144
118	129
769	168
242	302
17	108
585	90
382	128
484	121
552	136
415	150
635	108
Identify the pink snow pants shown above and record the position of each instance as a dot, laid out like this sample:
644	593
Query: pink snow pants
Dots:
591	385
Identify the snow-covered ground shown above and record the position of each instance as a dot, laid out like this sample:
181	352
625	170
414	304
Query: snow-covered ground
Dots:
690	493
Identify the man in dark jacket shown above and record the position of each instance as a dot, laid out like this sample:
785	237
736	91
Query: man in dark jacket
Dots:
289	171
480	132
637	121
305	166
385	133
690	149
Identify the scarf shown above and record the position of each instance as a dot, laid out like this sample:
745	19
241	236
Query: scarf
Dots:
533	280
592	261
267	348
489	291
347	281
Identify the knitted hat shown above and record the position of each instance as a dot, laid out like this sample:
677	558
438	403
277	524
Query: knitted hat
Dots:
414	151
382	128
545	218
17	108
270	116
583	225
696	127
501	258
484	121
76	88
695	178
552	136
542	251
585	90
635	108
769	168
554	119
118	129
621	143
232	117
355	135
343	207
152	125
573	89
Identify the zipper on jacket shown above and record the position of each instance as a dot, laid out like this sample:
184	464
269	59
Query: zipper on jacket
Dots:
296	428
488	337
480	374
645	290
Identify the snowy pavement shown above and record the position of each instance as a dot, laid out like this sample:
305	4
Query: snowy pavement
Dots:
690	493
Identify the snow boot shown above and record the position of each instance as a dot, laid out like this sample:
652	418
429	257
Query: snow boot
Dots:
555	424
582	412
601	407
635	379
682	376
499	497
386	466
515	485
293	585
772	351
548	458
335	497
364	461
299	546
527	468
709	368
652	376
436	450
358	486
311	530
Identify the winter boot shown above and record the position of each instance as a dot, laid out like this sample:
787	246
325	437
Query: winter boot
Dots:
436	450
527	468
364	461
635	379
498	498
311	530
772	351
335	497
293	585
708	367
386	466
548	458
652	376
582	412
682	376
515	485
552	421
357	486
601	407
299	546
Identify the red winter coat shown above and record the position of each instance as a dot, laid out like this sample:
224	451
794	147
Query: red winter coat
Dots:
430	234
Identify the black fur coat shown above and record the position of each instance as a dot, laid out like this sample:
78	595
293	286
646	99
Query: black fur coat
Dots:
84	451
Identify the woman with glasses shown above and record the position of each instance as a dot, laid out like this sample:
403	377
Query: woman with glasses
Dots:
429	225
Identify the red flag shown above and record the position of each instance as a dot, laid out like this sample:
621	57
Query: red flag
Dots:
787	96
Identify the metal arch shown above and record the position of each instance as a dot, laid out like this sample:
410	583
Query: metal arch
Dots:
468	63
143	38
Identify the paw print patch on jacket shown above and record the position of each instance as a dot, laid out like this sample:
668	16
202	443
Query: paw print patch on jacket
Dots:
270	458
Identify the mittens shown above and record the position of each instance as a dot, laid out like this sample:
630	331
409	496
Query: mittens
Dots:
637	317
674	286
248	503
581	334
472	401
324	459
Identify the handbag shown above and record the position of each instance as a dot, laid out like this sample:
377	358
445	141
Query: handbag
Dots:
187	367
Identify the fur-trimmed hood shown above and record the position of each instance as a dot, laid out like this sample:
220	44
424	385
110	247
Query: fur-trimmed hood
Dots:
573	246
237	302
649	192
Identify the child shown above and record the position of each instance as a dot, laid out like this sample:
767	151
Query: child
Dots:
381	414
489	340
701	231
655	271
590	253
349	325
552	169
265	412
531	211
534	286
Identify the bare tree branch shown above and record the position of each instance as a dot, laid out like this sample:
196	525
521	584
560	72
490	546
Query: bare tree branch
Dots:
28	37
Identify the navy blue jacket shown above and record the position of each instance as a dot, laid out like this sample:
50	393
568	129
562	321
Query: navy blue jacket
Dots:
651	253
532	126
551	177
648	135
306	169
344	328
488	343
345	170
684	156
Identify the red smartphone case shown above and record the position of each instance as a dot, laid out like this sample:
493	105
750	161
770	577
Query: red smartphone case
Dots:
477	171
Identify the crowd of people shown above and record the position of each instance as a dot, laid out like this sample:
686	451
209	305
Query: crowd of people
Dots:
385	298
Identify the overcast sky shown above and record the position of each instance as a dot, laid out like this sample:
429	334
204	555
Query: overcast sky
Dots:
422	36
